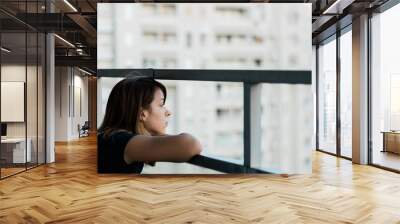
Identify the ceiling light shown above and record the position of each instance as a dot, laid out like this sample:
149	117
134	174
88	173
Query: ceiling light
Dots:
84	71
326	11
64	40
5	49
70	5
337	7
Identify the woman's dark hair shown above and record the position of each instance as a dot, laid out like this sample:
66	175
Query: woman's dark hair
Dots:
125	101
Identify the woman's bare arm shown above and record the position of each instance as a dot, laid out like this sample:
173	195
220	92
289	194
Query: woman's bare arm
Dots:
170	148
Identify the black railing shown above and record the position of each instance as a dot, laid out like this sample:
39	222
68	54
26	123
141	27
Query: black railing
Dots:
247	77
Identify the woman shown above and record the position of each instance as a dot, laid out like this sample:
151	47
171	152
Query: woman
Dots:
133	129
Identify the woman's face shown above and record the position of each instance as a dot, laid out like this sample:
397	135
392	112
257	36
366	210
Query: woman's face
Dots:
155	118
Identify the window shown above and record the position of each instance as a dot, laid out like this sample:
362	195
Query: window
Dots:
258	39
150	36
286	129
346	94
327	96
385	94
188	40
22	64
203	39
234	11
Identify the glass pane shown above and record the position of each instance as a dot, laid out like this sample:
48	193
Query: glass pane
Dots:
286	129
204	36
327	96
31	101
14	152
196	105
41	98
346	94
386	89
218	106
314	92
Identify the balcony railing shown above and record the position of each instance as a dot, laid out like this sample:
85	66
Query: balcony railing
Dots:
250	80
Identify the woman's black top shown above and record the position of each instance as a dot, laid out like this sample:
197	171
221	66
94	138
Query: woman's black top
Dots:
110	154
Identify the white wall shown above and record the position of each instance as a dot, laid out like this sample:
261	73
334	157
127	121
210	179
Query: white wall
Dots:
33	125
71	94
16	73
80	94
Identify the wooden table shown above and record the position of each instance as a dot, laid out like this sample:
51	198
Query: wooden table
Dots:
13	150
391	141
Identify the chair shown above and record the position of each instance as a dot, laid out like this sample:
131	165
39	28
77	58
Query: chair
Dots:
84	130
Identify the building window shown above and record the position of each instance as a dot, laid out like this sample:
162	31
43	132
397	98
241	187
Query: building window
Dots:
188	40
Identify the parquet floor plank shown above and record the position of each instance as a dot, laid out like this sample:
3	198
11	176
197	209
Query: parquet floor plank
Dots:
71	191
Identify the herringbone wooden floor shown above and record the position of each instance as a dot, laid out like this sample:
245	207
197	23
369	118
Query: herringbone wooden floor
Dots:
70	191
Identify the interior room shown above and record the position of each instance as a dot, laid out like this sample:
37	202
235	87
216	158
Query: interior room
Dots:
297	110
22	100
